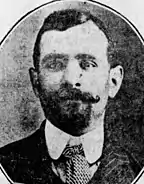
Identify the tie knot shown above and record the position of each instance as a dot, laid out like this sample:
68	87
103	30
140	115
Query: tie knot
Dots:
71	151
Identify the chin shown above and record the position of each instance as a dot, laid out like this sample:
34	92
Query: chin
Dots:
74	129
71	116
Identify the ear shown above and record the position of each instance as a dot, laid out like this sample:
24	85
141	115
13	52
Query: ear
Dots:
34	80
115	80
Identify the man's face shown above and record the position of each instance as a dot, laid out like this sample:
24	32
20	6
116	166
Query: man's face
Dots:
73	71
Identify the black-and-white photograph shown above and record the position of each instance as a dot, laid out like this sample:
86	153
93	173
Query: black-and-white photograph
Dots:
72	97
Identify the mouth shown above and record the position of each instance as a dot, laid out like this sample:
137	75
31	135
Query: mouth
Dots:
69	101
80	100
74	101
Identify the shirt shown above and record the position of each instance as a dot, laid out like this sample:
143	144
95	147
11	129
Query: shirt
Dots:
56	141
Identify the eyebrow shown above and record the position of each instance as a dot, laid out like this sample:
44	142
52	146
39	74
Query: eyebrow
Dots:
54	56
66	57
85	56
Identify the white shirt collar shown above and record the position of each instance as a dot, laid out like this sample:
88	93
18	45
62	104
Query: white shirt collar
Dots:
57	140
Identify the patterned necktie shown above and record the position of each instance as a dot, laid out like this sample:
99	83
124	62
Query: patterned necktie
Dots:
77	167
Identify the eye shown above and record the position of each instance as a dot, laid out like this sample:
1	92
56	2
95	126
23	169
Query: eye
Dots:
55	65
86	64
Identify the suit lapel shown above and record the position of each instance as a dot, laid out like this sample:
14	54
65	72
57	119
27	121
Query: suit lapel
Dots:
38	169
114	167
41	171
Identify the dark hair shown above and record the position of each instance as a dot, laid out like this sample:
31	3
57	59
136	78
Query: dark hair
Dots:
61	21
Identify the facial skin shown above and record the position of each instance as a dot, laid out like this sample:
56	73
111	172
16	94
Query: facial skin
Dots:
73	71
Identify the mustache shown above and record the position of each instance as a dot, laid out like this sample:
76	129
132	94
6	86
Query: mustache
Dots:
67	92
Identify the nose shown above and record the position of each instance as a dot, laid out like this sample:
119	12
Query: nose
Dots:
73	73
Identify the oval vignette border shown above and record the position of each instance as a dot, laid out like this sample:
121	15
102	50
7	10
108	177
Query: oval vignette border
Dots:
136	181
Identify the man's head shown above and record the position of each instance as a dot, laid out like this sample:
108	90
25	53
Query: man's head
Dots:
73	75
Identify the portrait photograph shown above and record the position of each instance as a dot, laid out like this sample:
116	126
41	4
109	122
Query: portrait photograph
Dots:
72	96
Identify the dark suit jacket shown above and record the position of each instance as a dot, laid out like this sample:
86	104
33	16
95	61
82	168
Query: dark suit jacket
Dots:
27	161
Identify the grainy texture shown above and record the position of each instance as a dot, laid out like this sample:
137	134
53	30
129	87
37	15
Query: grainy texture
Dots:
20	112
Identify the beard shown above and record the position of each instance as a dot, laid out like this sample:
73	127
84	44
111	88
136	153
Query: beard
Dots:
68	109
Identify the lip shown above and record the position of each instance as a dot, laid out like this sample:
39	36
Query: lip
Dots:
74	101
70	100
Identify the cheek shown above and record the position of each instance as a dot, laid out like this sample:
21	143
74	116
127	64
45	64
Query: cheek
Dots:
50	81
95	82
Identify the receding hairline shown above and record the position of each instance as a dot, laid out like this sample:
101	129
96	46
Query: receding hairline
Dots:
71	29
78	18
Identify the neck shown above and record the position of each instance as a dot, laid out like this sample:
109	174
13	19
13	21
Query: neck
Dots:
96	123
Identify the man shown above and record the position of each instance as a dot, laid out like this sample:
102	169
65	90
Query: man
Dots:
73	77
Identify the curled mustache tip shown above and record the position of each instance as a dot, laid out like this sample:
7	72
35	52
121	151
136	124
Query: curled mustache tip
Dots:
97	99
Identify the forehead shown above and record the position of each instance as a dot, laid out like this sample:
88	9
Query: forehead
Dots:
85	38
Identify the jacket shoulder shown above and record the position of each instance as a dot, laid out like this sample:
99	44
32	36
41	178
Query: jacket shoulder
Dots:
17	157
23	147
